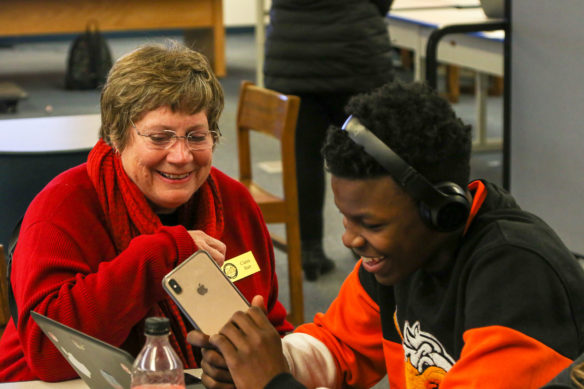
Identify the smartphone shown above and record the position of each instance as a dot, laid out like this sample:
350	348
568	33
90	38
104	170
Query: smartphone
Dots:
204	293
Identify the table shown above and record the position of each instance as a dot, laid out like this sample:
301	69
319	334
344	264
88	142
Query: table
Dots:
52	133
32	152
73	384
481	52
418	4
41	17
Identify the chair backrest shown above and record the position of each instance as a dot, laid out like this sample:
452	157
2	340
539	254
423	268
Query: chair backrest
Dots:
274	114
23	175
270	113
4	310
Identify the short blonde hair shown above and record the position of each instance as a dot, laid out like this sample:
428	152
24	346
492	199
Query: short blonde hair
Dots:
154	76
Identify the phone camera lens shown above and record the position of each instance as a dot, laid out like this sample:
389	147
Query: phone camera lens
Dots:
175	286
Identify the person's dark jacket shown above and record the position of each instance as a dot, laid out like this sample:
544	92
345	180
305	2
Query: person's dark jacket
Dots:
563	380
327	46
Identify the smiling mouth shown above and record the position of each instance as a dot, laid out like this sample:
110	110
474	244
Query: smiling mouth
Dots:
174	176
372	260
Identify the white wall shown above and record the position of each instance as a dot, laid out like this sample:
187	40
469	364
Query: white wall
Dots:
239	13
547	114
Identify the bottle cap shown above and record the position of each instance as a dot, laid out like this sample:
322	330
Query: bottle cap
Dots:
157	326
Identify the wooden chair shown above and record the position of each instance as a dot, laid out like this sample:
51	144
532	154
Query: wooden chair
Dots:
274	114
4	309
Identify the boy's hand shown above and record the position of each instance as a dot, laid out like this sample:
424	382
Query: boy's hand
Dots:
215	372
251	347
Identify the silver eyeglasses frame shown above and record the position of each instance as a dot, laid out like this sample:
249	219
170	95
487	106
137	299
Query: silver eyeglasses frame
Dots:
174	138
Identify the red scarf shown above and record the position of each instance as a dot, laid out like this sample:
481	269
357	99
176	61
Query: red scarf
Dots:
128	215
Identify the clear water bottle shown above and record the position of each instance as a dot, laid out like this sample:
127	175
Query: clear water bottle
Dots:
157	366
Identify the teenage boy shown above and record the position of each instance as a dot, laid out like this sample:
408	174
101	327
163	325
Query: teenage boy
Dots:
457	287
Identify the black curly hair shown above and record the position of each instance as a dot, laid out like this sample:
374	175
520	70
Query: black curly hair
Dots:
413	121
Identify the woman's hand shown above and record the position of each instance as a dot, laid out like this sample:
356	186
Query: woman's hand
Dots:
251	348
214	247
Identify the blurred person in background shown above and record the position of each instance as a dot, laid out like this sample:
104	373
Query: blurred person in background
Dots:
323	51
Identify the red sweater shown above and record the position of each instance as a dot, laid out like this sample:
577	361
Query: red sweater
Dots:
66	268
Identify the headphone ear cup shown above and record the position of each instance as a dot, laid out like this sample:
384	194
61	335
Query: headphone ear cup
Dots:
451	213
426	214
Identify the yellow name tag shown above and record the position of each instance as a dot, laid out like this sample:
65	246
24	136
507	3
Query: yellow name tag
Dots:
242	266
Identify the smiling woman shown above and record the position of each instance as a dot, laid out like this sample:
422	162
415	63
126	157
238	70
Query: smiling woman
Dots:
98	239
166	171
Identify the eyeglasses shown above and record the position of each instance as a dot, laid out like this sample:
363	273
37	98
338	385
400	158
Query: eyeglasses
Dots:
164	139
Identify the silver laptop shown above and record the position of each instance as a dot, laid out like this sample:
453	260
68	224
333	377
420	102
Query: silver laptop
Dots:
99	364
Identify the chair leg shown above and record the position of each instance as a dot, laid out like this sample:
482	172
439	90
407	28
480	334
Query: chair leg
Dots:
406	59
496	86
296	315
452	85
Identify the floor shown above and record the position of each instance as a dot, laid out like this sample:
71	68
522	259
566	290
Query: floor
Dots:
39	68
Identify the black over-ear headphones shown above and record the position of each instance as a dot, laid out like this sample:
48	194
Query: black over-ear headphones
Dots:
443	207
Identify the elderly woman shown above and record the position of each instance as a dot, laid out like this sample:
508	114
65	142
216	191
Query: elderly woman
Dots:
96	242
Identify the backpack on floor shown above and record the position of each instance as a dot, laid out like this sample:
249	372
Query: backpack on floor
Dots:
89	60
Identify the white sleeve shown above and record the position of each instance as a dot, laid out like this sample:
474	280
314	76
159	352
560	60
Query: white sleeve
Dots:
310	361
